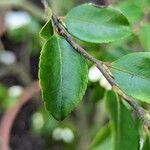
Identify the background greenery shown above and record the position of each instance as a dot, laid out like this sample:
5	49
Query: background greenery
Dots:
89	126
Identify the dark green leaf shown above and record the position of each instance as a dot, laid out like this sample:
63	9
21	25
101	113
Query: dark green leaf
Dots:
63	77
146	145
97	92
47	30
97	24
124	128
132	74
3	92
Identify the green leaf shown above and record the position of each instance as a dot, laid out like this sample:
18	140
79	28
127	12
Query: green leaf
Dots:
49	12
124	129
105	145
63	77
47	30
97	92
146	145
144	37
113	53
132	73
131	10
97	24
3	92
102	140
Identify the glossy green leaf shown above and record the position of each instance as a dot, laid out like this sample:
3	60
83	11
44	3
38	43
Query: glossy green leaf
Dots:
132	73
63	77
47	30
102	140
144	37
97	24
124	129
146	145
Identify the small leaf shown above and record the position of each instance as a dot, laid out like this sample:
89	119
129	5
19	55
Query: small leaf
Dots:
63	77
132	73
102	140
144	36
146	145
124	129
47	30
97	24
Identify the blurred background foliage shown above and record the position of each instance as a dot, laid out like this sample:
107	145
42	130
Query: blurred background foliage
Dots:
20	46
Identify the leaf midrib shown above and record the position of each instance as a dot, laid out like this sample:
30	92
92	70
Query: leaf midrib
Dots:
61	77
94	22
128	72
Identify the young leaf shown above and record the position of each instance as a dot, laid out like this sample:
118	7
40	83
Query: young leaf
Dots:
97	24
144	36
124	129
47	30
132	74
102	140
146	145
63	77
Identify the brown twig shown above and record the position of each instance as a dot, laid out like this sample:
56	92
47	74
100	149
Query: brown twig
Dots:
10	115
141	113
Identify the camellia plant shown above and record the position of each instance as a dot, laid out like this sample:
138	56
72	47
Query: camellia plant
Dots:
63	72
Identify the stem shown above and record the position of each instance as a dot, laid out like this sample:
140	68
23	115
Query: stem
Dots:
141	113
